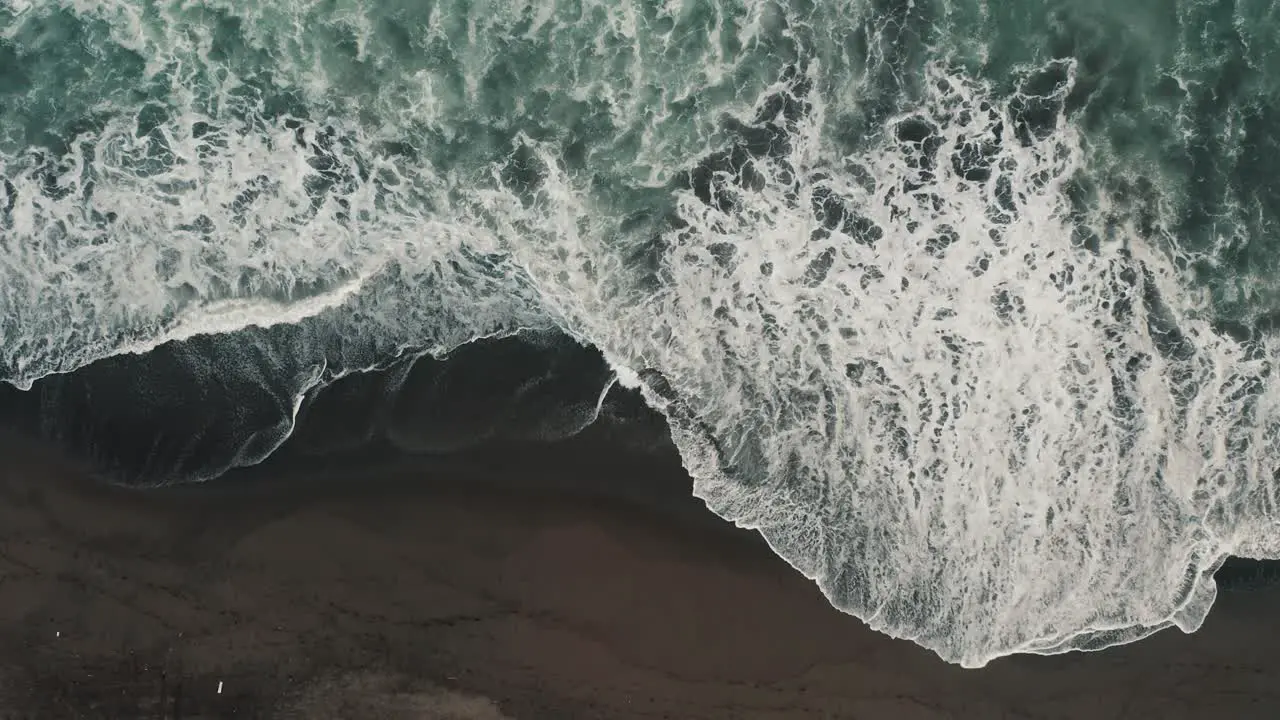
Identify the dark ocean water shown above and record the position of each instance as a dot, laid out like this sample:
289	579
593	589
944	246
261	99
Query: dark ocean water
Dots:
968	308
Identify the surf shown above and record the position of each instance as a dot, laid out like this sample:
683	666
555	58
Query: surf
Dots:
910	326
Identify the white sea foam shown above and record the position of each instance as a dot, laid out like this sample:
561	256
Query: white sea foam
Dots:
226	232
984	444
971	428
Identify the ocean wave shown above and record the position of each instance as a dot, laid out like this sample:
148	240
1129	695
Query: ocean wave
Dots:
921	329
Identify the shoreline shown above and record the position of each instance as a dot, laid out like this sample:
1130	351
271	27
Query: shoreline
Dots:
435	586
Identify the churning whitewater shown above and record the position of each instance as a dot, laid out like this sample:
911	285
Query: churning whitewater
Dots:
917	302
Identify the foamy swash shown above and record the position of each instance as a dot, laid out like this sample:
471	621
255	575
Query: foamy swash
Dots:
904	323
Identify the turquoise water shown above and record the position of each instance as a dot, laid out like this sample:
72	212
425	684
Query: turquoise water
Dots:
967	308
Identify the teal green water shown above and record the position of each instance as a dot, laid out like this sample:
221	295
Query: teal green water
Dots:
1177	103
966	307
1183	98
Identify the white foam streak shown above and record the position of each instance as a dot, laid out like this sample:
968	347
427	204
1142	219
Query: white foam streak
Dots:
220	317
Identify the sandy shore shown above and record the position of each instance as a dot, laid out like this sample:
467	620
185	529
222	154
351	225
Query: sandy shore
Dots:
466	590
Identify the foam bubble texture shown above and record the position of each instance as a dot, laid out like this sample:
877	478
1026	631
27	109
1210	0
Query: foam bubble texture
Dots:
910	370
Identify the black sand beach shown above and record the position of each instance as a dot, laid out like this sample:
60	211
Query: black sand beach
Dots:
499	584
348	333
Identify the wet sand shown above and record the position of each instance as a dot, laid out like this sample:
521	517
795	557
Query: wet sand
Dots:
499	585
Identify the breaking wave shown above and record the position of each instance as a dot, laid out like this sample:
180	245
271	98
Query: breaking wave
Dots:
926	331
